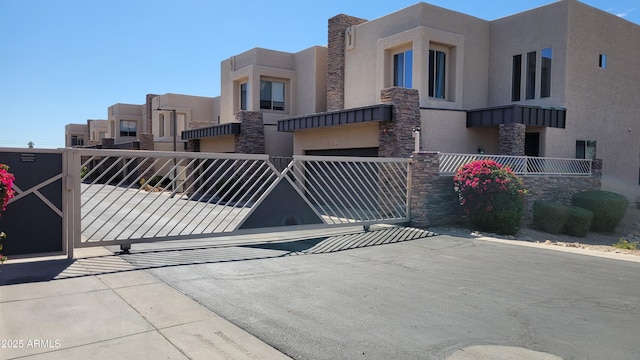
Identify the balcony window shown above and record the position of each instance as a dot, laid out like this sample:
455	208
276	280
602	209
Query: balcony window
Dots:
403	69
76	140
271	95
437	73
161	125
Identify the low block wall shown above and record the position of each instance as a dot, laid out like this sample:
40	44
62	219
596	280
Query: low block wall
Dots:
434	202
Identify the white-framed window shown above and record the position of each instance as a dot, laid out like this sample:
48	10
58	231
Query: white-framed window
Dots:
585	149
272	95
244	95
403	69
438	73
128	127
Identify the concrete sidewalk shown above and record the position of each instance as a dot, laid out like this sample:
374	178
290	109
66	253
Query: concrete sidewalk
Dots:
99	306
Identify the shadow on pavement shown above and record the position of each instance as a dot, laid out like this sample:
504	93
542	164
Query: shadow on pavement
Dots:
158	257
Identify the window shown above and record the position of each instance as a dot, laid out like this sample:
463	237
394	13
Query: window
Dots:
161	125
585	149
437	73
76	140
545	73
516	78
602	61
128	128
403	69
531	75
243	96
271	95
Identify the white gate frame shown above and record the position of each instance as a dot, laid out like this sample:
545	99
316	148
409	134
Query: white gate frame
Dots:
394	201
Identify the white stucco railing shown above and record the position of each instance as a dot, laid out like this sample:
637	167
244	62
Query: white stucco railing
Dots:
520	165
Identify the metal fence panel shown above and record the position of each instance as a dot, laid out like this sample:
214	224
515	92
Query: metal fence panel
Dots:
520	165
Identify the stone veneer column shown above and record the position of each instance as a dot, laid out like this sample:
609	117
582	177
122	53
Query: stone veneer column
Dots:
396	136
193	145
147	127
335	59
146	141
511	139
433	200
251	138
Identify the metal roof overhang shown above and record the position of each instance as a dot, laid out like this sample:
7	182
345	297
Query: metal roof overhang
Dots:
517	114
211	131
378	112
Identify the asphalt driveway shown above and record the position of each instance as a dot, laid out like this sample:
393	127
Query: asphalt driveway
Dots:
404	294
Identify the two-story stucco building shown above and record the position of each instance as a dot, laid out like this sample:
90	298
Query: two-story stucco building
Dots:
556	81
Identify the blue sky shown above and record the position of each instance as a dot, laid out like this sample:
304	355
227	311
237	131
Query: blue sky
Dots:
66	61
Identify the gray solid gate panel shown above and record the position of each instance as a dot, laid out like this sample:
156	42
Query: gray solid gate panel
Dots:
33	220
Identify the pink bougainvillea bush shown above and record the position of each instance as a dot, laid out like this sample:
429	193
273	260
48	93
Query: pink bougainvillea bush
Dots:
6	194
492	196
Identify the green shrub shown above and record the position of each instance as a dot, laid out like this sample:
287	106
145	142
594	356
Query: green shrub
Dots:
549	216
579	221
608	208
626	244
491	195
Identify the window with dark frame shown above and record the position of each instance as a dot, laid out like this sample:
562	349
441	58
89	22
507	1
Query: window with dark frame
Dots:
437	74
602	61
243	96
128	127
531	75
516	78
161	125
271	95
586	149
403	69
545	73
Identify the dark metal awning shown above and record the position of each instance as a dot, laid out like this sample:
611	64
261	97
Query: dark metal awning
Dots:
210	131
378	112
517	114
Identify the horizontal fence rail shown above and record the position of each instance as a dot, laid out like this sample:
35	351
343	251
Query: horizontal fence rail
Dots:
520	165
353	190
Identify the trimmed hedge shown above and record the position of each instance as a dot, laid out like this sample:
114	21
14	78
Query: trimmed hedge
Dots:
608	208
549	216
579	221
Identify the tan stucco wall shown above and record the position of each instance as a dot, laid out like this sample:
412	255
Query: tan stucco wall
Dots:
79	130
446	131
96	127
192	112
337	137
122	111
603	104
368	64
533	30
218	144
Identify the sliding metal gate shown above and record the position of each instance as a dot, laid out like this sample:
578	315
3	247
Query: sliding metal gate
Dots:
124	197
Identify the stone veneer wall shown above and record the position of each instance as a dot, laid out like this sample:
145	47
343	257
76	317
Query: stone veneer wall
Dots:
251	138
146	141
335	59
511	139
396	136
434	202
